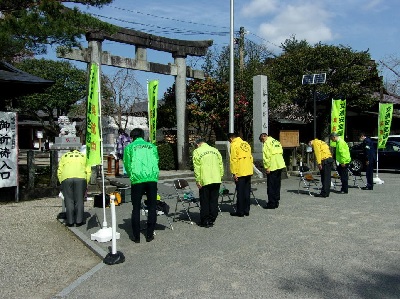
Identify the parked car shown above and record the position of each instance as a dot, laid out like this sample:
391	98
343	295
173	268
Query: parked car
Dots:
390	138
389	157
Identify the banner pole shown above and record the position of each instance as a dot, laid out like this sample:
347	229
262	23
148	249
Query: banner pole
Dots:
376	179
105	233
101	151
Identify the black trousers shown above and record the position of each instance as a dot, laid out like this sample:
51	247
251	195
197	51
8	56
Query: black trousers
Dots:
344	177
274	187
209	202
74	190
137	191
243	188
369	173
326	177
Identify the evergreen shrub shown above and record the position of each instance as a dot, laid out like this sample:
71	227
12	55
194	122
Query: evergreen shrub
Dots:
167	156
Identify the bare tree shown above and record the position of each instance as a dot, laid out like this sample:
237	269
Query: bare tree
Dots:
121	97
391	67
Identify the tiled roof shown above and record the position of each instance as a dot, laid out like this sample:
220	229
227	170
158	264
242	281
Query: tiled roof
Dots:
14	82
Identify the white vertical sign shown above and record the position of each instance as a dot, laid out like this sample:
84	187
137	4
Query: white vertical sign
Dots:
8	149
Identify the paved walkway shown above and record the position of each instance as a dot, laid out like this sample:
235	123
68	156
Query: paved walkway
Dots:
344	246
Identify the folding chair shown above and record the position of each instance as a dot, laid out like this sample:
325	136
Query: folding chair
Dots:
225	193
336	178
307	180
185	196
251	193
356	176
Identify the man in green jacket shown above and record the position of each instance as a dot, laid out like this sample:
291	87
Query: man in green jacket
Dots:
342	155
273	164
141	164
208	171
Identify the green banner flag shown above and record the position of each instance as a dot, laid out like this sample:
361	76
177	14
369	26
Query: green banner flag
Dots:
384	123
338	118
93	150
152	94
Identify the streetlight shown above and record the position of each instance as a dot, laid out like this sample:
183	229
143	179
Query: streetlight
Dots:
314	79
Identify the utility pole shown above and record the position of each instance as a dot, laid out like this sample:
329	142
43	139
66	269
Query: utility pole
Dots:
231	74
240	43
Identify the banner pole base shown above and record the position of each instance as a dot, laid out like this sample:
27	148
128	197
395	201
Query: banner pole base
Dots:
103	235
112	259
378	181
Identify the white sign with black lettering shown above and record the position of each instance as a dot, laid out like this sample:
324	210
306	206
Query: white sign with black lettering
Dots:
8	150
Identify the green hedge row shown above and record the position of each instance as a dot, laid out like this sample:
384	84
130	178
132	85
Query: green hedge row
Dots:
168	156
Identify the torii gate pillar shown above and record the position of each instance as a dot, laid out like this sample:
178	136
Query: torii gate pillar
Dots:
181	113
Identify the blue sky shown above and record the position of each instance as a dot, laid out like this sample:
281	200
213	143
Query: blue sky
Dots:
359	24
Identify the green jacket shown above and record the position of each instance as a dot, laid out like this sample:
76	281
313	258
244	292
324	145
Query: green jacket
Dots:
342	152
141	161
208	166
273	154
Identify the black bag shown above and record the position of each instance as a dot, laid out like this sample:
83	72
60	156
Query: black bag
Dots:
98	200
163	206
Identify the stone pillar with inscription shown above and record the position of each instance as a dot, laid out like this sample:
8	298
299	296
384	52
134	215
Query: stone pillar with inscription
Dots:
64	144
260	113
67	138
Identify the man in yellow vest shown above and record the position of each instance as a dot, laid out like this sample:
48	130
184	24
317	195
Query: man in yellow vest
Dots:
273	164
73	175
208	171
241	165
325	161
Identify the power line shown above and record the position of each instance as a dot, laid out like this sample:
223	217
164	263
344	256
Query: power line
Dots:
155	29
166	18
166	29
265	40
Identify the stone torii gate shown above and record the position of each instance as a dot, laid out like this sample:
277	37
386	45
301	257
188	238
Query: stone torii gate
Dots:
179	49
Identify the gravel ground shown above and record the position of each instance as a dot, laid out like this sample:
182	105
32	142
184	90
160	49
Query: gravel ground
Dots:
39	256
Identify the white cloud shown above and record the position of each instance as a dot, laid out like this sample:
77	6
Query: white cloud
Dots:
305	21
259	7
373	4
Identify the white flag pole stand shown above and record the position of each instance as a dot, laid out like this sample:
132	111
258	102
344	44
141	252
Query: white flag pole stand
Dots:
63	209
63	213
114	257
259	173
377	180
